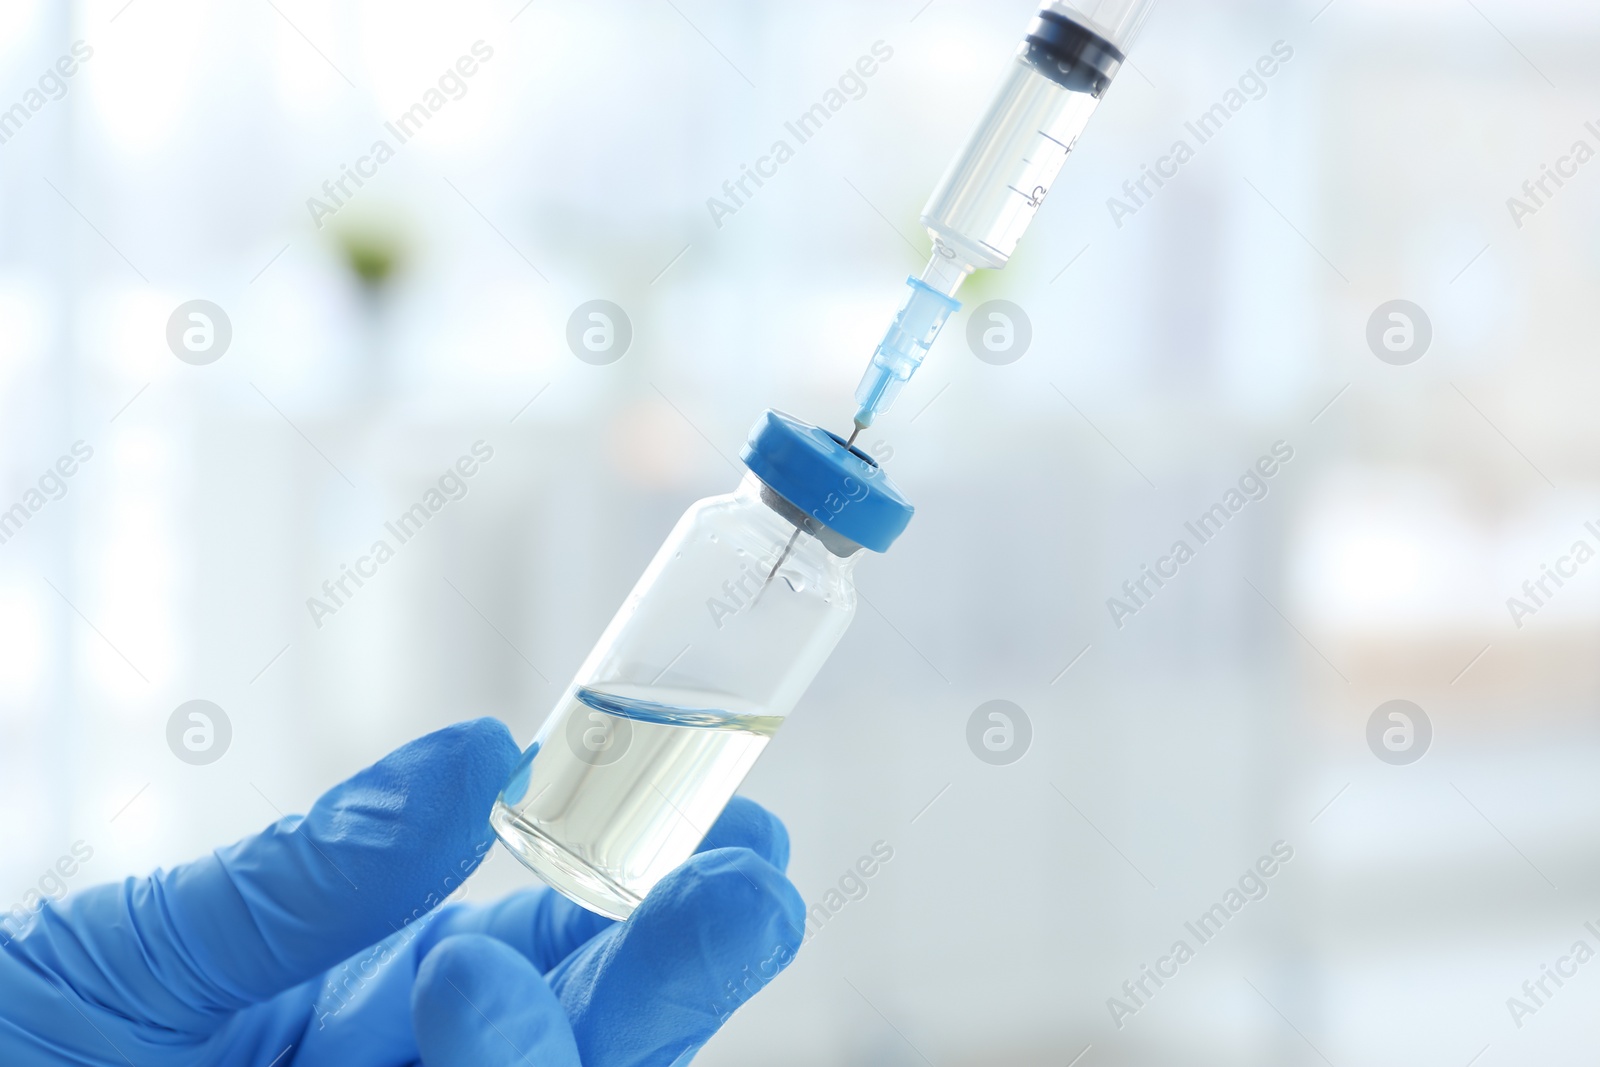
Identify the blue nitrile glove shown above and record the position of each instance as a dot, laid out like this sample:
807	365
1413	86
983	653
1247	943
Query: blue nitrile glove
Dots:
236	958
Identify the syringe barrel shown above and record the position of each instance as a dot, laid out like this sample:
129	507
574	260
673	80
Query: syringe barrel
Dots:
988	197
985	201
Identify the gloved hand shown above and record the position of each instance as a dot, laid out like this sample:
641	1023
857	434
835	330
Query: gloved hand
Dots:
235	958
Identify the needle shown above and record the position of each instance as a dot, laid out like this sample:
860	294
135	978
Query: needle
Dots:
781	557
854	435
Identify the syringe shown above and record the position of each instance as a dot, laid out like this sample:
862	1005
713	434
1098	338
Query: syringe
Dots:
987	198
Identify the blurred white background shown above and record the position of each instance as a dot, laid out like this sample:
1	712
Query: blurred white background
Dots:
1168	354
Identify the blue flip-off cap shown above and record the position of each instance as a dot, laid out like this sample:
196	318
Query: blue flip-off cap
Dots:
840	487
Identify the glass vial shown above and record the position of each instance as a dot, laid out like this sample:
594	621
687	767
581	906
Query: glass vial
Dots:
710	652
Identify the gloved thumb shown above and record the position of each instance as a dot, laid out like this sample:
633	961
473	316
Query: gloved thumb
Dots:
478	1002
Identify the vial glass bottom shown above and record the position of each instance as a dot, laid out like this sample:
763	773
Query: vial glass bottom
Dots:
621	787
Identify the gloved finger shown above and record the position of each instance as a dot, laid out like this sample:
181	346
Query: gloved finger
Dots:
746	824
359	1012
546	927
186	947
478	1003
707	938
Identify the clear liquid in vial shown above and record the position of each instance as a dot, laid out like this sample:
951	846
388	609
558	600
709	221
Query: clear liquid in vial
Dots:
621	787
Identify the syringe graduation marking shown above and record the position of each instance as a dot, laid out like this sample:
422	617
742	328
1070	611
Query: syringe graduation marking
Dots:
1034	199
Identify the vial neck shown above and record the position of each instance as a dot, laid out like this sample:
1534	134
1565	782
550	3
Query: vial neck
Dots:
836	543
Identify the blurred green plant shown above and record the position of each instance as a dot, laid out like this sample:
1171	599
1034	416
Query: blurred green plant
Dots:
374	251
